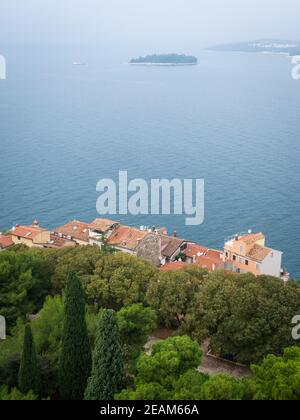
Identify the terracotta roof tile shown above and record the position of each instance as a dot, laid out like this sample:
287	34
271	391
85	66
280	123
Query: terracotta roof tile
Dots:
194	249
76	230
103	225
170	244
259	253
126	237
251	238
210	259
57	242
174	266
6	241
27	232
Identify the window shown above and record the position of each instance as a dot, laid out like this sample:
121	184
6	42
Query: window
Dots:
240	260
19	238
234	257
241	249
246	262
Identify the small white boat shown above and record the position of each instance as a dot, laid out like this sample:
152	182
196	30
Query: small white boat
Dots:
79	63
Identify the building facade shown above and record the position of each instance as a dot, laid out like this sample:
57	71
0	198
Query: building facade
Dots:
247	253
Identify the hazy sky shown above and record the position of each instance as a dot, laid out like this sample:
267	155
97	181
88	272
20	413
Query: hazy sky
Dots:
167	23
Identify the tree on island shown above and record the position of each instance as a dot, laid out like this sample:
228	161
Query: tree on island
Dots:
108	373
29	375
75	360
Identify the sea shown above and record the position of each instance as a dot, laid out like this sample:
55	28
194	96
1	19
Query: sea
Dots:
232	120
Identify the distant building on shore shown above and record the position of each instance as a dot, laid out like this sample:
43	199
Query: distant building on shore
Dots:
243	253
247	253
35	236
31	236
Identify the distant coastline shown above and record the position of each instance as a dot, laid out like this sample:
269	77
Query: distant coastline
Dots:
165	60
262	46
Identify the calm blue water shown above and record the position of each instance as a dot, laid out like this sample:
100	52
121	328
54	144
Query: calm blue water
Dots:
233	120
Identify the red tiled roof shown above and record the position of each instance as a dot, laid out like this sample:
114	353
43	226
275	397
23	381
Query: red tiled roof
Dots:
210	259
259	253
27	232
194	249
126	237
6	241
174	266
251	238
57	242
170	244
209	263
75	229
102	225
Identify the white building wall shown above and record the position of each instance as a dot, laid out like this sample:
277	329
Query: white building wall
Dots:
272	264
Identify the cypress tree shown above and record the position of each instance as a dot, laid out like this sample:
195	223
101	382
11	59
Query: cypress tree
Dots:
75	360
108	373
29	375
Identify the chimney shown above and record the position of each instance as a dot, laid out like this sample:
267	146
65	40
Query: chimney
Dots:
194	259
236	237
175	234
36	223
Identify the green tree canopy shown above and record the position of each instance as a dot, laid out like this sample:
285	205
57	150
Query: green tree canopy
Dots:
29	375
244	316
75	360
222	388
189	385
15	395
119	280
108	373
81	260
159	372
278	378
172	293
135	323
24	283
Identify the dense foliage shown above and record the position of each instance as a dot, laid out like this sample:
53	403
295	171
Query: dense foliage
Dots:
29	375
24	283
75	360
159	373
108	373
278	378
119	280
244	318
135	323
172	294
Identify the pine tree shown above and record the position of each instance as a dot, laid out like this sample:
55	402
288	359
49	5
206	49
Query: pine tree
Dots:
75	360
29	375
108	374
